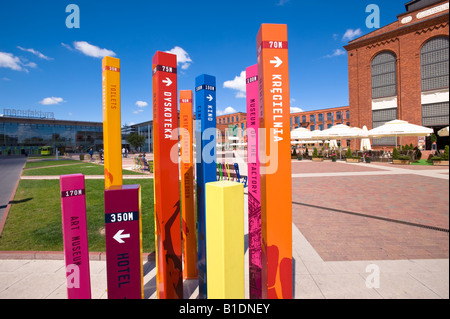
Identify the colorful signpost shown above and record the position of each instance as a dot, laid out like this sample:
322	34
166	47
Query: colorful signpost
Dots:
275	146
169	281
187	187
76	254
123	234
112	134
254	183
225	240
206	151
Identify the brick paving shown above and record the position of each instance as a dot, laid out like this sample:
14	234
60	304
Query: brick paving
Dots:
340	215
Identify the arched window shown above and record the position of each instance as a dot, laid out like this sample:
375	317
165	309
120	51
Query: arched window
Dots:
434	64
384	75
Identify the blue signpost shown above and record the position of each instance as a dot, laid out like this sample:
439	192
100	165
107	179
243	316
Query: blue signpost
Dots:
206	151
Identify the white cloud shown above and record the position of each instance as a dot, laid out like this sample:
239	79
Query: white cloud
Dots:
336	52
228	110
52	100
183	57
68	47
92	50
37	53
296	110
237	84
138	111
8	60
351	34
141	104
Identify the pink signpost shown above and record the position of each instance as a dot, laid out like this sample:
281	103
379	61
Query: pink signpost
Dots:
76	254
254	186
123	228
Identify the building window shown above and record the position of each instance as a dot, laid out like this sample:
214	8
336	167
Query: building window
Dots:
434	64
321	117
329	117
312	118
436	114
313	127
304	119
384	75
338	115
321	127
381	117
347	114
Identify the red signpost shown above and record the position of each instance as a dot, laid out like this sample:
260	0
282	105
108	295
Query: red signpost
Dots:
124	242
76	254
169	276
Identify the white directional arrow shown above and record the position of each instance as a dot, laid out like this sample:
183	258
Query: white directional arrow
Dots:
119	236
167	81
210	98
277	61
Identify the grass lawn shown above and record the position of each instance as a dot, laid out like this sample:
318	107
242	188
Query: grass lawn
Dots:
34	220
422	162
43	163
81	167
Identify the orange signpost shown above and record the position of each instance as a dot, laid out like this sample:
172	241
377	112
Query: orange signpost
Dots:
187	187
275	147
169	281
112	134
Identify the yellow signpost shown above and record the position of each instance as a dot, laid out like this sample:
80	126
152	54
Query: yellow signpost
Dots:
225	240
112	134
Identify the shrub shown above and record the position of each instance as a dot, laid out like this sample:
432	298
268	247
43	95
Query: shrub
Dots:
348	154
315	153
395	154
445	156
404	158
418	153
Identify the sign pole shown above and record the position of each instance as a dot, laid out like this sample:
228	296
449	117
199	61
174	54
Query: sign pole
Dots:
275	146
123	235
225	240
112	134
206	151
254	183
76	253
187	187
169	281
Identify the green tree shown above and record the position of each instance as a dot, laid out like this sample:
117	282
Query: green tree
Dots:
395	154
315	153
136	140
349	154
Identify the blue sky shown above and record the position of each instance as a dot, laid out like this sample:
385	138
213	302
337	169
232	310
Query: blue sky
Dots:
46	66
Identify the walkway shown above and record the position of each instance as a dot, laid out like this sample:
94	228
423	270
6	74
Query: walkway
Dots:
10	170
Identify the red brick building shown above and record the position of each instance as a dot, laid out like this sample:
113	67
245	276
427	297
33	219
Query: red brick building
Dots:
401	71
233	125
321	119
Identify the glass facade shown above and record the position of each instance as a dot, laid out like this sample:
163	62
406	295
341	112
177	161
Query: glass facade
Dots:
67	136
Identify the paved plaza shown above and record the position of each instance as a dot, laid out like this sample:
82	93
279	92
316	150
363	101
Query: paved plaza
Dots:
351	222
